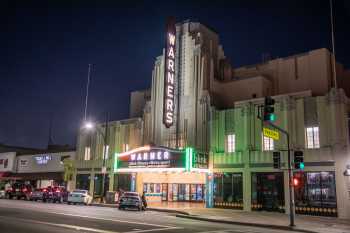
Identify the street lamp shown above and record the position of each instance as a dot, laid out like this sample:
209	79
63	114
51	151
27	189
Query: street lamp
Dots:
92	126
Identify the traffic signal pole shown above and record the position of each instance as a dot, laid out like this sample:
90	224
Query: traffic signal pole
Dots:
290	175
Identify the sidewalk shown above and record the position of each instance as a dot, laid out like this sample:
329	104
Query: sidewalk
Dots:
304	223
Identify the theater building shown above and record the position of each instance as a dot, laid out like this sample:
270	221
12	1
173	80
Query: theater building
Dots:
195	136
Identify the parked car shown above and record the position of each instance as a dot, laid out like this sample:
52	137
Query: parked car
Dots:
79	196
59	194
131	200
19	191
47	194
36	195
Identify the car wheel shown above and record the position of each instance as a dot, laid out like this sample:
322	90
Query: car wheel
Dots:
68	202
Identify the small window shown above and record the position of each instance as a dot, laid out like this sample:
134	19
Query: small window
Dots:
268	143
125	147
105	151
87	155
312	138
231	143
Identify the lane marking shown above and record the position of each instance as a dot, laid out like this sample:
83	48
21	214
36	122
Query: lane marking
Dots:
74	227
113	220
157	229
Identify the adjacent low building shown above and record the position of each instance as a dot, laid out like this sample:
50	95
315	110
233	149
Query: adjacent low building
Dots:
40	168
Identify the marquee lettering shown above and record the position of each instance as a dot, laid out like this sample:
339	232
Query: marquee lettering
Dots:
169	82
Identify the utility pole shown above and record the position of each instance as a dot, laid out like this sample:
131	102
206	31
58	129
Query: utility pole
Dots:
87	92
333	46
290	169
104	169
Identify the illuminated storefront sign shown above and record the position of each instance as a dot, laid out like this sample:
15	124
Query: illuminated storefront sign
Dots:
152	157
42	159
169	78
160	159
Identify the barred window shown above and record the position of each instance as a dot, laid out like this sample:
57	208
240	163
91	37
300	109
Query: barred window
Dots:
87	155
312	138
268	143
231	143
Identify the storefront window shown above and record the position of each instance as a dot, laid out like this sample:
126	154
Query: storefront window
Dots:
316	194
83	181
268	191
228	190
122	182
98	185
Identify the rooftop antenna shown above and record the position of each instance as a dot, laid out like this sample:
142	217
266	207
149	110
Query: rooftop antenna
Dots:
87	92
333	47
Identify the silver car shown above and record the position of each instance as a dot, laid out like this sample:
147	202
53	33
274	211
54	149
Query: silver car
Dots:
79	196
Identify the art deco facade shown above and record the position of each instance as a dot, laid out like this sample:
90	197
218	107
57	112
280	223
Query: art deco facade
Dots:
216	115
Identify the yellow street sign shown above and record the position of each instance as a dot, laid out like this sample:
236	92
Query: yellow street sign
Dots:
271	133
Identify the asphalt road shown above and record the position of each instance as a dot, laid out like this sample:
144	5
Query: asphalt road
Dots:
17	216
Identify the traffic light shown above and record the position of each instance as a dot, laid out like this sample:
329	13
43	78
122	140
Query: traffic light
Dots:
296	181
276	156
299	160
269	109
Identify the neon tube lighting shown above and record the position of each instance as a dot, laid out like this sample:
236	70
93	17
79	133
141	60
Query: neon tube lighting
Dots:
144	148
152	169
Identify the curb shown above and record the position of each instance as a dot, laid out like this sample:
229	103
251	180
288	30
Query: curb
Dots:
178	212
103	205
288	228
150	208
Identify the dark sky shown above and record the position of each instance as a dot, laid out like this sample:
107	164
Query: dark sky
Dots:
46	46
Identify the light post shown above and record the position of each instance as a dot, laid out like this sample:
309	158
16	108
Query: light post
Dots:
91	126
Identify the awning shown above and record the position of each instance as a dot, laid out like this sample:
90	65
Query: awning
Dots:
58	176
8	176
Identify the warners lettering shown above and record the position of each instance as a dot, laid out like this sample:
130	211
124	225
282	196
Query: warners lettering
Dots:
152	157
169	84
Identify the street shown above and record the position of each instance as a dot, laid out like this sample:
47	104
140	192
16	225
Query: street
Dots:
24	216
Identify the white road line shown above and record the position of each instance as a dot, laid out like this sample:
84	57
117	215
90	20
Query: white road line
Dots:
74	227
113	220
157	229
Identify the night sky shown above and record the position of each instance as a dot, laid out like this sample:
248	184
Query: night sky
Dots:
46	46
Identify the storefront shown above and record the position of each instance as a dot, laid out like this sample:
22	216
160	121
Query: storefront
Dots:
42	170
268	191
228	190
163	174
316	194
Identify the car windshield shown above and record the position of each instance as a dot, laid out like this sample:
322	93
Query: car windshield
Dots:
79	191
131	194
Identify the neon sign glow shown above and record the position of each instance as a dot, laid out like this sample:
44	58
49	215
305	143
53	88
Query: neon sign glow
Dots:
169	78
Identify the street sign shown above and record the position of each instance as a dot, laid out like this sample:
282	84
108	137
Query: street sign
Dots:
271	133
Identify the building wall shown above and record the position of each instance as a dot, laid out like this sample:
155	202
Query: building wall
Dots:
333	155
10	157
29	164
138	101
122	135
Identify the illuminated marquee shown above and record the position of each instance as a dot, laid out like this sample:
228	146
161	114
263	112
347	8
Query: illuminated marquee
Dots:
169	78
151	157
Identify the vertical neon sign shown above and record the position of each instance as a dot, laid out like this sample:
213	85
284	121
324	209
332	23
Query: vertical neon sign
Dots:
169	74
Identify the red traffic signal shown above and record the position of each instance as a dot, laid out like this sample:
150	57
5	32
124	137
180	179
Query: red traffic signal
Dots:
296	181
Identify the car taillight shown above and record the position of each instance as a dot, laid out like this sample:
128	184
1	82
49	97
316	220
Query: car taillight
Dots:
44	190
24	190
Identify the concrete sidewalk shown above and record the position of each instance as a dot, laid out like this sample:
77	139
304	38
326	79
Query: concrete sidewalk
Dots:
304	223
